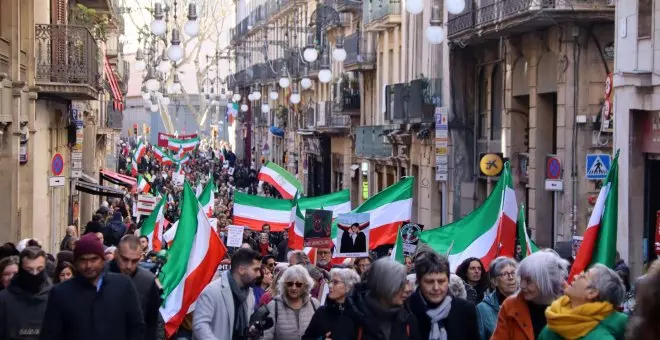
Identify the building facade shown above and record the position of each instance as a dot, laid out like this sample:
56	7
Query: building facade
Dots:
53	103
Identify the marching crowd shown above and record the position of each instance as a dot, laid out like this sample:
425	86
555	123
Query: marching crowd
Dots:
103	285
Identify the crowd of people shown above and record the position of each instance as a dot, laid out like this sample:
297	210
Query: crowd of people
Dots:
103	285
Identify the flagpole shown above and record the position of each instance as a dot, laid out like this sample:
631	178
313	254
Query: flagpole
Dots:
451	246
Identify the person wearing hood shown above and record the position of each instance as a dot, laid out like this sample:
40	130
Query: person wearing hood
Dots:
588	308
440	315
114	230
503	277
23	303
330	320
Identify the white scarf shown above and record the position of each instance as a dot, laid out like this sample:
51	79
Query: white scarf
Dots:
438	314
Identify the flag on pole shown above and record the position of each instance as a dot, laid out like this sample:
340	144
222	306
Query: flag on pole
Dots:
133	167
168	236
527	246
154	225
191	263
387	210
397	251
143	184
486	233
140	150
599	240
338	202
207	197
186	145
254	211
282	180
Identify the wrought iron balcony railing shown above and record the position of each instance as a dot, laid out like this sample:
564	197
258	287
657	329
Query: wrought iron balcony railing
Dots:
378	9
357	51
66	54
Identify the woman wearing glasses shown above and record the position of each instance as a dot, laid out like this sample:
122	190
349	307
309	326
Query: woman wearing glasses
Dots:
331	320
503	278
293	308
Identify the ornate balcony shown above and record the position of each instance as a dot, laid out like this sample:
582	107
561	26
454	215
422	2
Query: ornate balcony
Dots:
487	19
67	62
379	15
360	54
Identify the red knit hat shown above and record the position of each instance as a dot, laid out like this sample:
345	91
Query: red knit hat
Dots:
88	244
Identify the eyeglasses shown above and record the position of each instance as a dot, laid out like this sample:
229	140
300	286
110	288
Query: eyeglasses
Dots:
297	284
336	282
508	274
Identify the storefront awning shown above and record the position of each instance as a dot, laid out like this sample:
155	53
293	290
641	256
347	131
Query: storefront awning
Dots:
99	190
118	98
117	178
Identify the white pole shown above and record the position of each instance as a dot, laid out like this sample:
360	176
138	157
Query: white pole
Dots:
444	203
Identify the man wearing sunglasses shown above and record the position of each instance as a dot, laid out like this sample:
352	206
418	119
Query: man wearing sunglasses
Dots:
223	309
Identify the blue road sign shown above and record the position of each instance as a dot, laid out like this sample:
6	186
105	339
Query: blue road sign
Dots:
598	165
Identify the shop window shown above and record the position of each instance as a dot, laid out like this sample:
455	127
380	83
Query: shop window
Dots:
496	95
481	109
644	18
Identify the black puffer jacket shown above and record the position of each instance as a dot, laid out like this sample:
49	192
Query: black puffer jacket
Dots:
22	312
332	318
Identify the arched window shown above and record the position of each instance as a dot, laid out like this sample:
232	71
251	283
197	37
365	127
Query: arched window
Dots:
496	97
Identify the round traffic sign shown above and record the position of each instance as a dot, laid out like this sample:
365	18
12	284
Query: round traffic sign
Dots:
57	164
553	168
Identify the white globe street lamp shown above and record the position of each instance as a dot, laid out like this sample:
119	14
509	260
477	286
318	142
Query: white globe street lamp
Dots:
325	76
339	54
265	108
158	26
295	98
273	94
250	97
244	107
455	6
435	33
152	83
306	83
175	51
236	97
165	101
256	95
414	6
310	54
191	27
154	108
140	65
284	82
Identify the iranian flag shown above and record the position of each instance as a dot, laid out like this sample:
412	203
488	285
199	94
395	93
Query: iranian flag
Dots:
140	150
207	197
133	168
254	211
526	244
154	225
168	236
338	202
167	160
387	210
159	153
186	145
191	262
599	240
143	185
486	233
282	180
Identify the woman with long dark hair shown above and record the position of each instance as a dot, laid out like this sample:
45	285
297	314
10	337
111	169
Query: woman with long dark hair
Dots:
472	271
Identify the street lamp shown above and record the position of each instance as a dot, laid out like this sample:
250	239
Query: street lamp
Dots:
455	6
237	96
305	82
191	27
414	6
158	26
152	83
265	108
164	66
273	93
140	64
310	54
284	78
175	87
175	51
325	75
295	95
435	33
339	53
256	95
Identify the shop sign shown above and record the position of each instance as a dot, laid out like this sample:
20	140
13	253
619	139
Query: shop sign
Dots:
441	143
491	164
365	190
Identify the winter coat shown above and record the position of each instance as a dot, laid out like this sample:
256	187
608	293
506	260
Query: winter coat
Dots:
213	318
487	315
331	318
613	327
22	312
289	324
461	323
149	293
78	310
114	230
514	321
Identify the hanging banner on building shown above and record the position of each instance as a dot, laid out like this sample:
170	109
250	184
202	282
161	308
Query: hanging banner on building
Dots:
410	233
318	224
353	235
441	144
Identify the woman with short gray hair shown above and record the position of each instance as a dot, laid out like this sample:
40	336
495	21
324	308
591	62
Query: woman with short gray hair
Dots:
502	274
588	308
332	318
293	308
542	276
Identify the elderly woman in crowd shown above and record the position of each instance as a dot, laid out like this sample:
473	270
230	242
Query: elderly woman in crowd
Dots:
293	308
457	287
587	309
503	278
440	315
522	315
377	305
332	318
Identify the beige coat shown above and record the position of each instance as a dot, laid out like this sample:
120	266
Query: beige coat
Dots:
288	325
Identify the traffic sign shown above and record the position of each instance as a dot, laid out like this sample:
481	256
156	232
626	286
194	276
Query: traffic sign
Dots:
56	181
598	165
57	164
552	167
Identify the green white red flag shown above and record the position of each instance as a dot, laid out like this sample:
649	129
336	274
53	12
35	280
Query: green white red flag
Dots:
338	202
599	240
527	246
486	233
191	262
186	145
254	211
140	150
207	197
143	184
287	184
154	225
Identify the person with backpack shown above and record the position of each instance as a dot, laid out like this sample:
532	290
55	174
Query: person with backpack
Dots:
292	310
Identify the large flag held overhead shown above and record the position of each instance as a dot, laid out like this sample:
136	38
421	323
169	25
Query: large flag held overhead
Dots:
527	246
599	240
140	150
191	262
282	180
154	225
338	202
388	210
254	211
143	184
186	145
487	232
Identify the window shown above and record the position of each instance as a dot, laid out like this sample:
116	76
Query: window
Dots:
481	109
644	18
496	95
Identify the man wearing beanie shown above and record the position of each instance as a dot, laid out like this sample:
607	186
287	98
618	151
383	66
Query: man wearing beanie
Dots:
95	304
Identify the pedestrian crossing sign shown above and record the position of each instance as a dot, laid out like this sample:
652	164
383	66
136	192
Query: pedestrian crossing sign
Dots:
598	165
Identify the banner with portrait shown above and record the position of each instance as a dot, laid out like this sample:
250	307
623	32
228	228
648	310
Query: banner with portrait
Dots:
318	224
352	235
